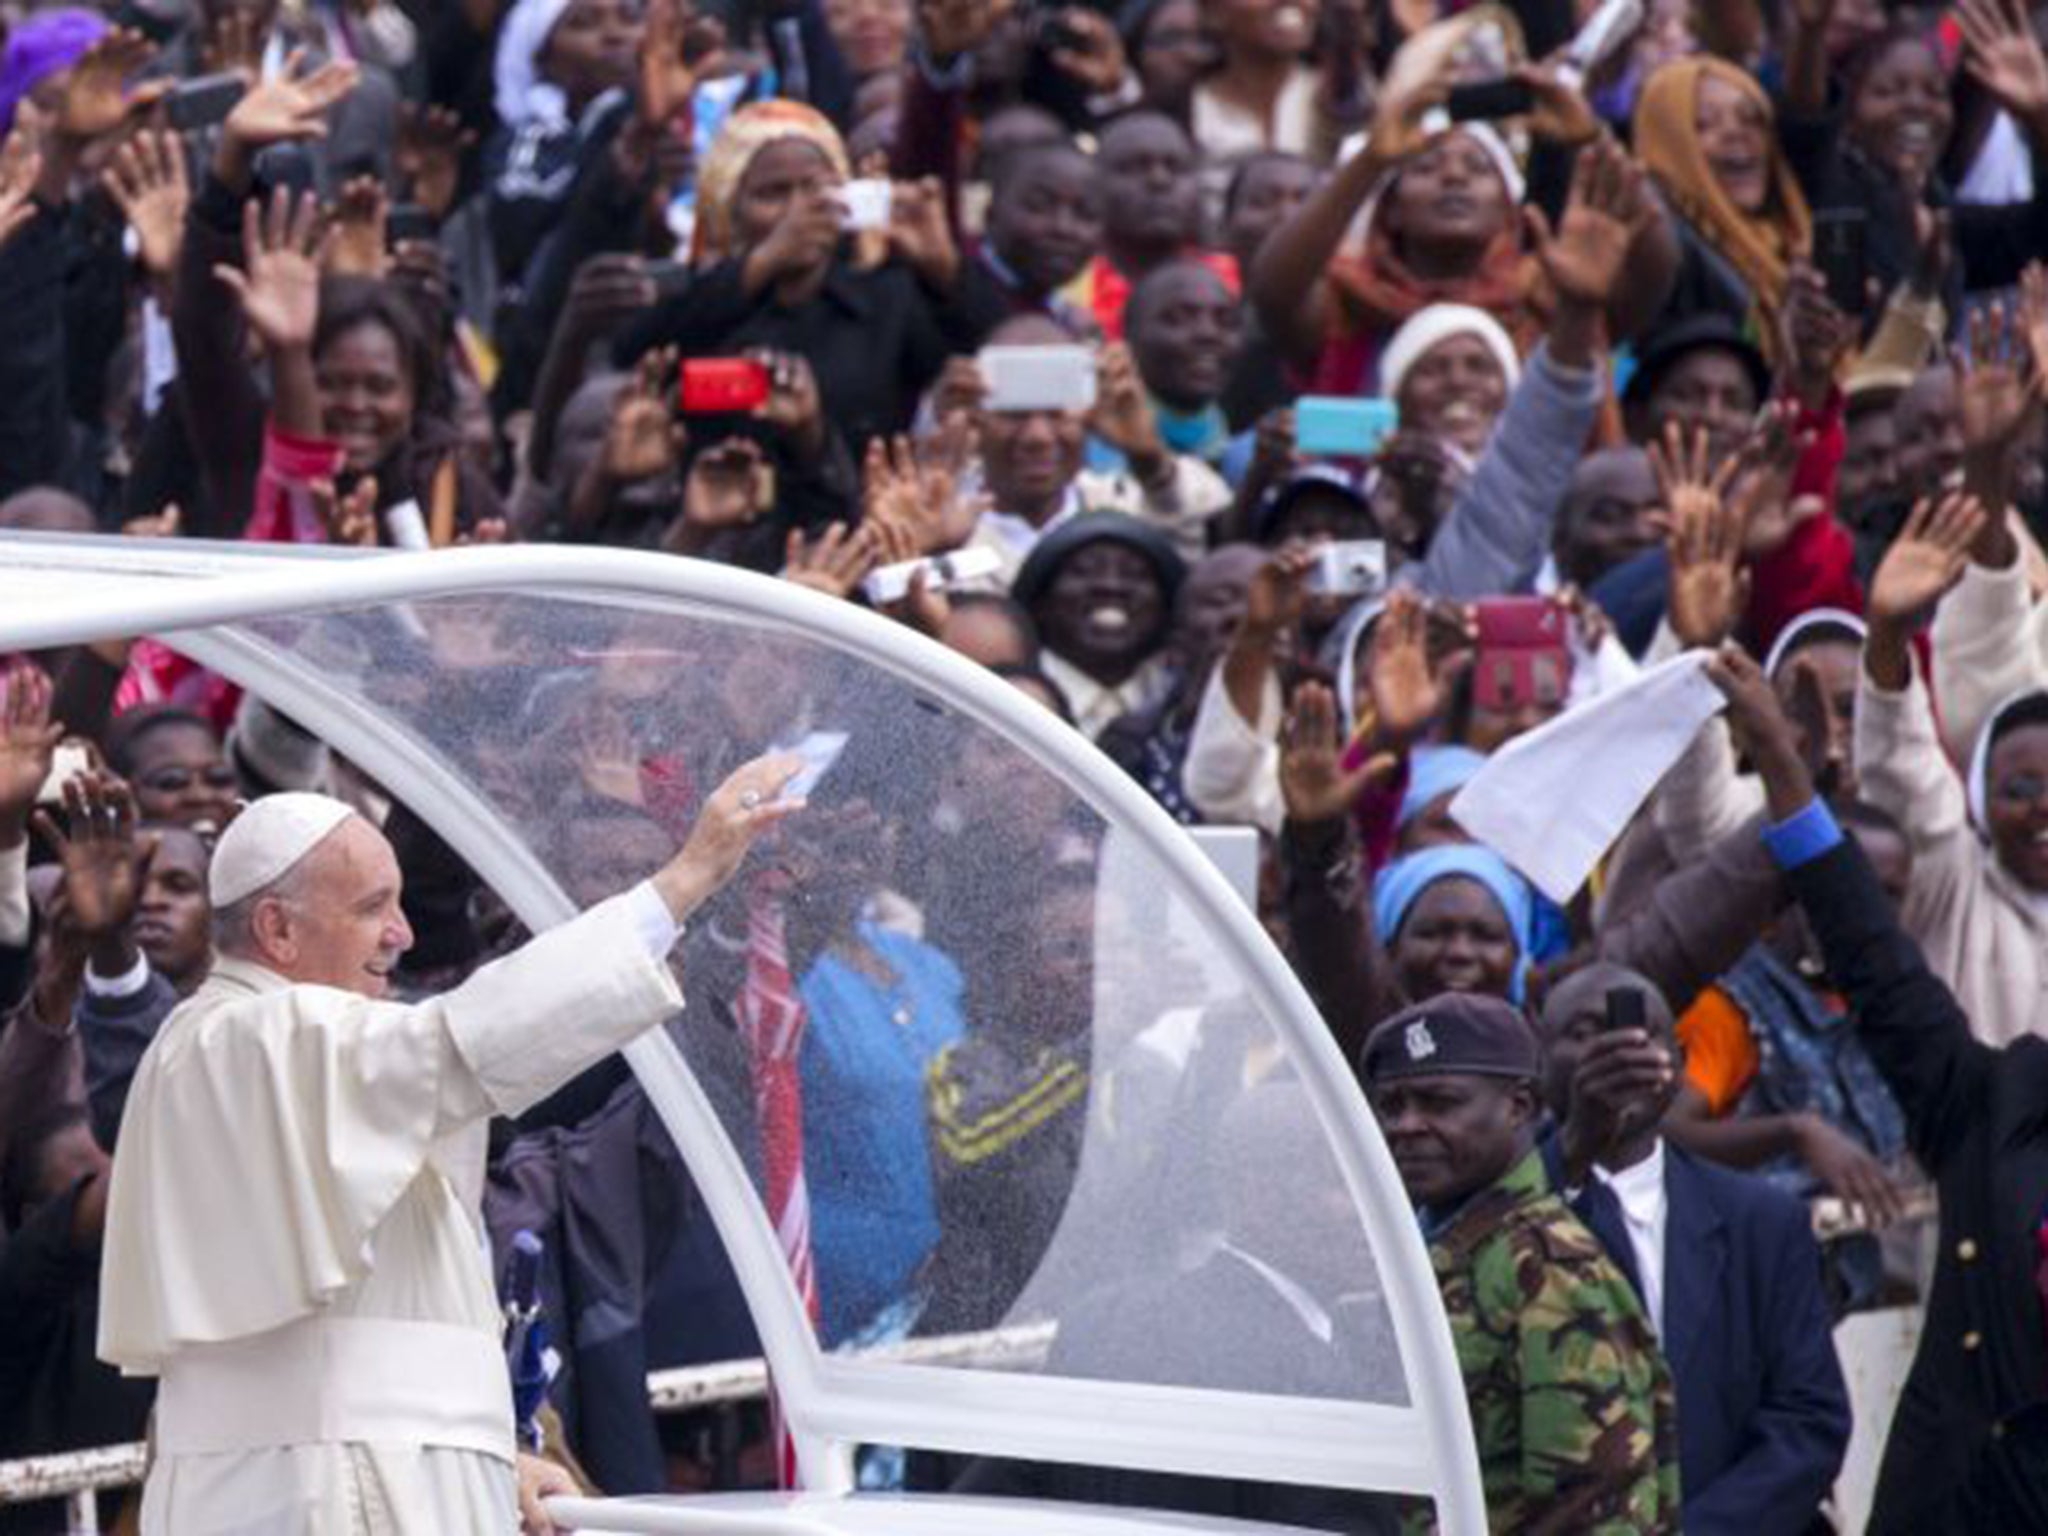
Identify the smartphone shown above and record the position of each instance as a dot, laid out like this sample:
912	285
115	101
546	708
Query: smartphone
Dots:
1486	100
722	459
1038	378
819	751
1606	31
409	221
1840	256
1625	1010
204	102
713	386
867	202
891	583
1350	568
1523	657
1337	426
66	763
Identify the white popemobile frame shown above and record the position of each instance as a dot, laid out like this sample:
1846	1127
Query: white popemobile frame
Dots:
70	590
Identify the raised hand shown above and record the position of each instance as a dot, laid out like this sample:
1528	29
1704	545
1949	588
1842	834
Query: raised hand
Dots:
278	282
1585	257
287	108
106	862
1314	782
1123	416
737	813
949	28
427	156
1760	495
21	166
1278	594
1624	1082
1559	112
357	245
920	235
834	563
606	292
1997	389
802	243
1407	694
233	46
644	438
730	484
793	406
1814	336
149	184
28	743
2003	54
1094	58
1402	127
676	51
920	500
95	97
350	518
1708	589
1925	560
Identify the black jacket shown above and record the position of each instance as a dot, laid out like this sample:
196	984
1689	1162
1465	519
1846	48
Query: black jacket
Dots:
1969	1446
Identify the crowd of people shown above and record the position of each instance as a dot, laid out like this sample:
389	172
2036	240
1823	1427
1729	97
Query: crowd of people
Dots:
1314	404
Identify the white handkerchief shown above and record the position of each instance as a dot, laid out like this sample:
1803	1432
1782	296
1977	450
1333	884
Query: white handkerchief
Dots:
1553	801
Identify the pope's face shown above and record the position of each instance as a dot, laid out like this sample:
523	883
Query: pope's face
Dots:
343	925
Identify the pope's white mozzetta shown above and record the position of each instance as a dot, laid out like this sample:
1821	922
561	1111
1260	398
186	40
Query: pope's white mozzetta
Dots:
293	1240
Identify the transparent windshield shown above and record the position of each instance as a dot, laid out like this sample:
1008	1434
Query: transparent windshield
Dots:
1028	1093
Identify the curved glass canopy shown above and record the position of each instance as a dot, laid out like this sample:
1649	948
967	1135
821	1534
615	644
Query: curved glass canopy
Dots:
1055	1082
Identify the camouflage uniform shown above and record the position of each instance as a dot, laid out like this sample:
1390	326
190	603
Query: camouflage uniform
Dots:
1572	1405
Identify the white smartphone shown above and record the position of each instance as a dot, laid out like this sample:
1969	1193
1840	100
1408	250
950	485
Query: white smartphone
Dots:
1038	378
867	203
819	750
888	584
1350	568
69	760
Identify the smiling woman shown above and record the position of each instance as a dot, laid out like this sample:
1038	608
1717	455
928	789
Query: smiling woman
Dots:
1706	135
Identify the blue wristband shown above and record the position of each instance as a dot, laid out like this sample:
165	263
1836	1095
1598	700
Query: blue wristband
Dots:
1803	836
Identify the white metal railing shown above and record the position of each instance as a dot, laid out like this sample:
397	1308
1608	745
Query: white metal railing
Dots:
77	1475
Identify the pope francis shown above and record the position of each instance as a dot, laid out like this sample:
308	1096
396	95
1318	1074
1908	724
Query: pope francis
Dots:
293	1237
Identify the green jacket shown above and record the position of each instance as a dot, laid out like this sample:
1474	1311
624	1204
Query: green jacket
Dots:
1572	1404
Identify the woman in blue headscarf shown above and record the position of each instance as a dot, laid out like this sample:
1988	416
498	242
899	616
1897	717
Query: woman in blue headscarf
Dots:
1455	918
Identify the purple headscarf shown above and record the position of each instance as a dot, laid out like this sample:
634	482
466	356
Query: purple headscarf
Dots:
45	44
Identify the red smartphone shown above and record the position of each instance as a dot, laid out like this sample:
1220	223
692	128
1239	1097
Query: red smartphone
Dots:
1523	655
714	386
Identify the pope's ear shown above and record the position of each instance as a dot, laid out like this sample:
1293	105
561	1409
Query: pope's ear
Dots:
270	925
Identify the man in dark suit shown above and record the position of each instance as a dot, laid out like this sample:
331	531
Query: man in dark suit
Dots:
1725	1262
1968	1452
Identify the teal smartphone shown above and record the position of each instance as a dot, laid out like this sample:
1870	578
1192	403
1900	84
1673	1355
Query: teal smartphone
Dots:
1337	426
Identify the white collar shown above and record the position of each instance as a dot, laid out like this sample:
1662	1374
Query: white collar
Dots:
1019	535
1640	1185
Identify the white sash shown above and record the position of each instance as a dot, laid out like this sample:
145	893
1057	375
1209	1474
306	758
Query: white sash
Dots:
360	1380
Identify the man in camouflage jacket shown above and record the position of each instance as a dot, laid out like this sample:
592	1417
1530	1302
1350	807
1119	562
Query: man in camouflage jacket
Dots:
1572	1405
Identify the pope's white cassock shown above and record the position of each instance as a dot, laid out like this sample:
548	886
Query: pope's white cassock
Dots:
293	1240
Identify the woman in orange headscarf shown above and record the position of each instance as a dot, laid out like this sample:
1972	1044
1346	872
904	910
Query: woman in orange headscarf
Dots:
1704	131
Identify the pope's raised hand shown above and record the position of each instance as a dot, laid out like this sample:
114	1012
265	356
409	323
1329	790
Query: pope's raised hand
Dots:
742	808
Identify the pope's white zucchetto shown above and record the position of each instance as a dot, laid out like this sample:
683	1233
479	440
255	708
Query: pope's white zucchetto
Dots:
270	835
